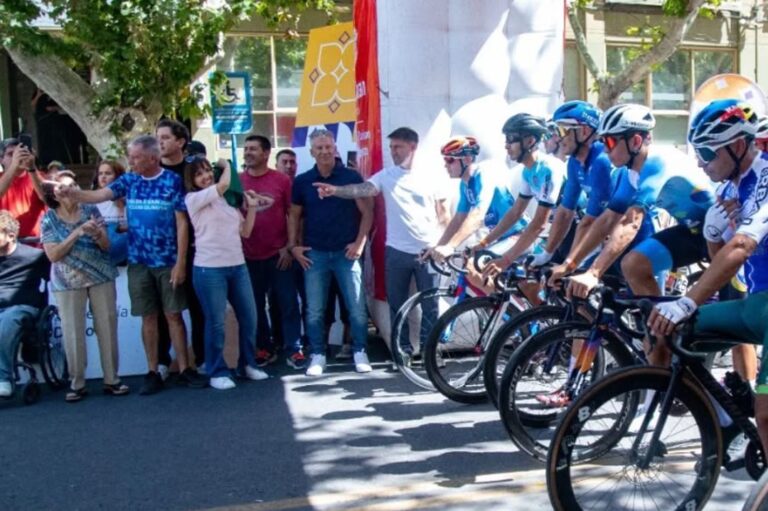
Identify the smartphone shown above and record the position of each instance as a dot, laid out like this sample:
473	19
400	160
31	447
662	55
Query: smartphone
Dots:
352	159
25	139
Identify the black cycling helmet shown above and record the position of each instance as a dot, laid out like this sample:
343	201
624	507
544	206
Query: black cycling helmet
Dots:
526	125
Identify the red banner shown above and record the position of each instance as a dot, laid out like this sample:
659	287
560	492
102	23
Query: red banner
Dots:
368	125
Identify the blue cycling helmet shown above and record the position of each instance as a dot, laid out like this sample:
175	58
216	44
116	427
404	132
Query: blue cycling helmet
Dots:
575	113
721	122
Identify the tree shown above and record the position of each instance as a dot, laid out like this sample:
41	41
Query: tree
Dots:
659	42
117	66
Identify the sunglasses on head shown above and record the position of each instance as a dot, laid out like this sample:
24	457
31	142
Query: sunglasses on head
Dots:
705	154
193	158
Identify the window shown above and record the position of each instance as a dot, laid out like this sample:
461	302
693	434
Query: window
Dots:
670	87
276	66
572	81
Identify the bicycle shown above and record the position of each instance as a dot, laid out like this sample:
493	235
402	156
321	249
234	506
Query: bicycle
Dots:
616	439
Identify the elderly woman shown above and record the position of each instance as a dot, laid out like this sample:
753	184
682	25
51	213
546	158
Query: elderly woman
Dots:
76	242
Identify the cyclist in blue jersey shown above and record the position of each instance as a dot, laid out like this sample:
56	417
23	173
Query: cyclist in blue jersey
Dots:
722	135
589	172
662	178
484	197
543	177
761	137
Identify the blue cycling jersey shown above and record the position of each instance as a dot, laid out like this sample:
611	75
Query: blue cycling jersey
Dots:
543	181
753	198
490	191
593	178
669	180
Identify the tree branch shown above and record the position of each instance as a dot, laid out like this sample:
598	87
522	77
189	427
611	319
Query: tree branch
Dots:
581	43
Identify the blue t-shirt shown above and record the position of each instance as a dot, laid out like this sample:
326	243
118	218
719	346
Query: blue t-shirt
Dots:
669	180
332	223
85	264
753	199
490	192
151	205
593	178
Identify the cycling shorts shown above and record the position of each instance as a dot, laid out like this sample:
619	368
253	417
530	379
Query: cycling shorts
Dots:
675	247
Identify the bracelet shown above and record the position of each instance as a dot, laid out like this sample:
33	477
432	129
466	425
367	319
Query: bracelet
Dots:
483	243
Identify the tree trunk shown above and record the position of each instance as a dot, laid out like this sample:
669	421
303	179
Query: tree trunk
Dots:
108	131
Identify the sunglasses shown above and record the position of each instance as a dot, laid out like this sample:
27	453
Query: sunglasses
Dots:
610	142
194	157
705	154
562	131
449	159
513	140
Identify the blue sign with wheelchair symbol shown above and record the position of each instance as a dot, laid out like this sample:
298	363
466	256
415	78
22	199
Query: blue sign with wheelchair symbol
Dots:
231	104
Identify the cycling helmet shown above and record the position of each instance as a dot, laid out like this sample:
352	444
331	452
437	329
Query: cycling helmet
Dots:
461	146
526	124
626	117
575	113
721	122
762	128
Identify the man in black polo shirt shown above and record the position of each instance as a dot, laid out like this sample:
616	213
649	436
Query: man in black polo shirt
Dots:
335	232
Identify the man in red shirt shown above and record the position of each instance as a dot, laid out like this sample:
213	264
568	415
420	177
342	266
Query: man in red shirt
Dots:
20	191
267	256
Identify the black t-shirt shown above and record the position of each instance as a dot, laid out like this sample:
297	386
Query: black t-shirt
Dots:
21	277
178	168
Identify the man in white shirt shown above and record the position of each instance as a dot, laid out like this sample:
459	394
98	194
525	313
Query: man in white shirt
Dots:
412	211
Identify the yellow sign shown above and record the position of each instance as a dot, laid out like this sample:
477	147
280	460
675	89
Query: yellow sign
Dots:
328	86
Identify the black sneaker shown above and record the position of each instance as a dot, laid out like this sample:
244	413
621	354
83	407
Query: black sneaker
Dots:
190	378
153	384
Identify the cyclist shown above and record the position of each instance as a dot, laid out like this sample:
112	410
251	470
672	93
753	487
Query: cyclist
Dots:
655	179
722	135
543	177
484	197
588	170
761	136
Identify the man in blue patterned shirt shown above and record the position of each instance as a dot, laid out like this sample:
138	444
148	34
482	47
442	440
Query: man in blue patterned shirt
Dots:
157	249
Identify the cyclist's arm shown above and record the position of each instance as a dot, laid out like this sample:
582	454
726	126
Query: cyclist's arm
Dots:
531	233
471	223
601	228
509	219
453	226
714	248
620	238
559	229
724	266
582	228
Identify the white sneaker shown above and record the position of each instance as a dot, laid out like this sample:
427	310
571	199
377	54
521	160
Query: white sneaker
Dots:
6	389
255	374
222	383
316	365
162	370
362	364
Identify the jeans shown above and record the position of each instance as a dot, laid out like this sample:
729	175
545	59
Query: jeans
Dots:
215	287
317	280
13	321
267	280
400	268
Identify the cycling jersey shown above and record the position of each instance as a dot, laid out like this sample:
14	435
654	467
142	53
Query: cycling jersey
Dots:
491	192
593	178
543	181
753	197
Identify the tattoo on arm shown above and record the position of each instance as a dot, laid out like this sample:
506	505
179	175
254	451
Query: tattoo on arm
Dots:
357	191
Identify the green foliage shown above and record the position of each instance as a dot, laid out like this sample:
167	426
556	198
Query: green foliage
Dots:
141	53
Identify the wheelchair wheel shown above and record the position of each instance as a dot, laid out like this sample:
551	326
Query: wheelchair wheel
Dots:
31	393
53	360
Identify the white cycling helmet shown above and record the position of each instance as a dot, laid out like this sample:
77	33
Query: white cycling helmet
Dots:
626	117
762	128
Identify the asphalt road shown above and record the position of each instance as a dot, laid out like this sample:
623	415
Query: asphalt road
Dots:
340	442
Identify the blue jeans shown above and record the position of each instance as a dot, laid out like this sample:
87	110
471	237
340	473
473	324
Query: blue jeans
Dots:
400	268
215	287
13	321
266	279
317	279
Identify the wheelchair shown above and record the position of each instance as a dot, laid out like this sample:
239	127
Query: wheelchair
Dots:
41	349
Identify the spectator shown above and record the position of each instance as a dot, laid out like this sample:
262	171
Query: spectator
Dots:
286	162
23	270
268	259
335	232
51	170
219	270
113	212
75	240
173	138
157	252
20	191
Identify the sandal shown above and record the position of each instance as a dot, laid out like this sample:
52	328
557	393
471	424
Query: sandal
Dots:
116	389
75	395
557	399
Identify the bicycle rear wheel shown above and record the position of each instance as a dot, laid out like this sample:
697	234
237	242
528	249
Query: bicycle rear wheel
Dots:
53	360
406	348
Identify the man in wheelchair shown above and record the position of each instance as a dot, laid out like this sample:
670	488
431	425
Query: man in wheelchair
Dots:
23	272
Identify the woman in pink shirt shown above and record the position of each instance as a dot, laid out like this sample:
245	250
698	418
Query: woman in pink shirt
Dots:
219	274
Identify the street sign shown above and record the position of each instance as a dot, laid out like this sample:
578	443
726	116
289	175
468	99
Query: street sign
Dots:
231	104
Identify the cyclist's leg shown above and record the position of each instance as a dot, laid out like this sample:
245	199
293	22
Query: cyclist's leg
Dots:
744	355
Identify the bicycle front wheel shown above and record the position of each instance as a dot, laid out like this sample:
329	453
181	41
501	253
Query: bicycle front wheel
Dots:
604	458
